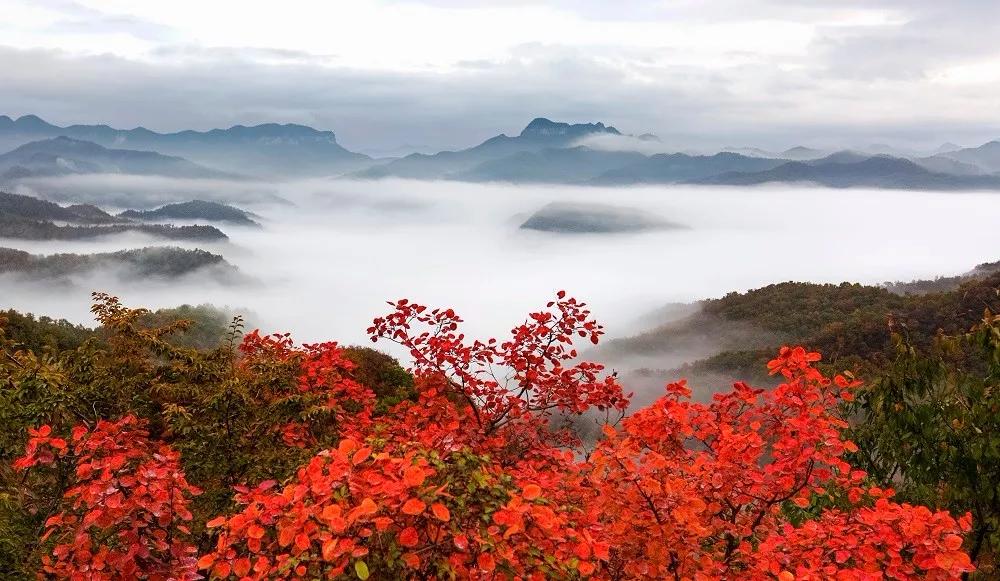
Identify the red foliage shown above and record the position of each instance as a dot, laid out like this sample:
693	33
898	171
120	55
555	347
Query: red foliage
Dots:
124	515
474	478
323	380
398	514
707	491
518	383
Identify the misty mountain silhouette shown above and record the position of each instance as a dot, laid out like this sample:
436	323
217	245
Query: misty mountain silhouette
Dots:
30	208
194	210
545	151
676	167
65	156
539	134
986	156
880	171
544	129
266	150
590	218
162	262
569	165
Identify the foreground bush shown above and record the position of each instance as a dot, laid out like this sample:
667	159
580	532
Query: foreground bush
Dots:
471	472
931	423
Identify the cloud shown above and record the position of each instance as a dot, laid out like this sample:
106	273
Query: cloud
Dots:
611	142
444	73
323	266
924	38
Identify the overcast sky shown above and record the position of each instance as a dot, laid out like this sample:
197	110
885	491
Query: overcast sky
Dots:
440	73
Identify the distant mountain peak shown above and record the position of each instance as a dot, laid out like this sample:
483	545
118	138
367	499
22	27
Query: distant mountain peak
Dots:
284	129
845	156
62	155
31	122
61	144
542	127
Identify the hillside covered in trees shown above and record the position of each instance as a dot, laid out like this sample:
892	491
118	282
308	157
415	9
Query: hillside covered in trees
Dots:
851	324
162	262
32	208
194	210
32	230
29	218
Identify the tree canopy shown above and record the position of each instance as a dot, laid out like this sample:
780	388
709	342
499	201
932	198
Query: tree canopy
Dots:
134	457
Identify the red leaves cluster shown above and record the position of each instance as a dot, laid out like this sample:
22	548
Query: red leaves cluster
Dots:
323	386
43	448
519	383
706	491
474	480
349	502
125	514
414	500
881	539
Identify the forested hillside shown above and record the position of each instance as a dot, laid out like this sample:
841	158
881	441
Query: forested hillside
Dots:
194	210
29	218
851	324
32	230
31	208
162	262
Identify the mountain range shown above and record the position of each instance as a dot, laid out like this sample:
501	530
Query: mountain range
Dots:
538	136
544	151
268	150
550	152
880	171
62	155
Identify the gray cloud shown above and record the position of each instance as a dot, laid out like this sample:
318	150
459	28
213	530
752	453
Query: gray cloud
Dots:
81	19
855	84
932	35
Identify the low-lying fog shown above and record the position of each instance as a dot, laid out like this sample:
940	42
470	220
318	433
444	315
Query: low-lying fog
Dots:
325	263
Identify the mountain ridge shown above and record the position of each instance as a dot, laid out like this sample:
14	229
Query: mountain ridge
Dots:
544	151
540	133
880	171
65	155
267	149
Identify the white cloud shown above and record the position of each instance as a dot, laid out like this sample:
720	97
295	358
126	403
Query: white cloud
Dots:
447	72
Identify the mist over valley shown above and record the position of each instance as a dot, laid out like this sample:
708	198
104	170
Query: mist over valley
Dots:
625	222
327	256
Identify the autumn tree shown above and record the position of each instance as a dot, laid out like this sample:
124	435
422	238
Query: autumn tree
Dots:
449	484
125	510
753	485
253	408
476	473
930	423
519	384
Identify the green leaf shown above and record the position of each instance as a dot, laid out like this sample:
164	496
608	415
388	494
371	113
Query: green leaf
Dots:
361	568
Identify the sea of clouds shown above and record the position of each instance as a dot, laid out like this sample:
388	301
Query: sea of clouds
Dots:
331	252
